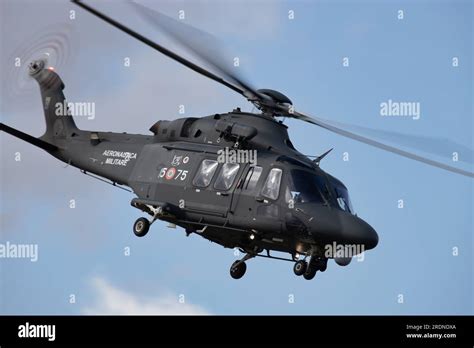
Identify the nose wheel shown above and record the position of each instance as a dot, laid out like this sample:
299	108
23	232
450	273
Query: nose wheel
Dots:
141	227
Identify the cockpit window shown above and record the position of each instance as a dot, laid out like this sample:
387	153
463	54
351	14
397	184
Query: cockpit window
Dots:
306	187
271	188
342	197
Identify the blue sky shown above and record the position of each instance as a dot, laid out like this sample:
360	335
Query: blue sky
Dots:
81	250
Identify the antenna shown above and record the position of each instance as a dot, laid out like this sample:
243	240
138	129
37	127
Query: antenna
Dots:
319	158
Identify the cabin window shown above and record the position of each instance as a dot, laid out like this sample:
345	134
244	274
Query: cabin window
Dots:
252	178
226	176
205	173
186	129
271	188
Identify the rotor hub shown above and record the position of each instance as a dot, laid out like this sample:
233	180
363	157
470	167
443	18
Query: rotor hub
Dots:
35	66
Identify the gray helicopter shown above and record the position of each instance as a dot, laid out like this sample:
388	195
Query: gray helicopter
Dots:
233	178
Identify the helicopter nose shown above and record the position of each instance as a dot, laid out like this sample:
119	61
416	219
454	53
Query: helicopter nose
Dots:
357	231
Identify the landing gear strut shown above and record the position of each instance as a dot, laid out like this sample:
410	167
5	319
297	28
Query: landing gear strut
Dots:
142	225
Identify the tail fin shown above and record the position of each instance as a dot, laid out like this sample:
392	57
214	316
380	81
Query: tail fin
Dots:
59	121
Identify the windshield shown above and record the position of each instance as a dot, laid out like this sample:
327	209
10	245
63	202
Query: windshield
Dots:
306	187
342	196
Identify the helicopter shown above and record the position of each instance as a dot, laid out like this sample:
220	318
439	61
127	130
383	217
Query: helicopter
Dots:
233	178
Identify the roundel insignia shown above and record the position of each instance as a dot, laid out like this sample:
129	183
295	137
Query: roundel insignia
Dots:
170	173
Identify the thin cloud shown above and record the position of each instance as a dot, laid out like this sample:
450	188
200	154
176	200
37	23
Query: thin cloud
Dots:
111	300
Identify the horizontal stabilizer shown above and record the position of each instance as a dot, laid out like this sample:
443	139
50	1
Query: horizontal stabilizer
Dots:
28	138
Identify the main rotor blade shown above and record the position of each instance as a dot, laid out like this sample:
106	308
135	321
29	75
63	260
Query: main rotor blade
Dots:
200	43
338	130
427	144
160	48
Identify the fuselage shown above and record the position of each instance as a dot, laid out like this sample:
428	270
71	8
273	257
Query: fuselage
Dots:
234	178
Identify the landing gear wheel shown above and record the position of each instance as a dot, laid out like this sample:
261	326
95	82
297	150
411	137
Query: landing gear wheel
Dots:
300	267
322	264
141	227
238	271
310	273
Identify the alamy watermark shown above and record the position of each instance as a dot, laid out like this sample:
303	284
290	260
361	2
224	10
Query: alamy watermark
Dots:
229	155
392	108
19	251
84	109
28	330
344	251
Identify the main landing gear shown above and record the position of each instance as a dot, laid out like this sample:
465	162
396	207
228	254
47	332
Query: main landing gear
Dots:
141	227
301	268
238	268
309	269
